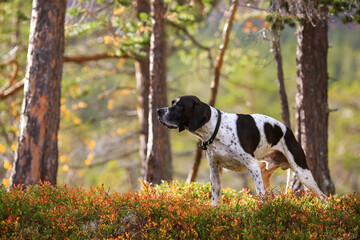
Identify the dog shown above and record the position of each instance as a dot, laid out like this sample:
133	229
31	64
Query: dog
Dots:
237	142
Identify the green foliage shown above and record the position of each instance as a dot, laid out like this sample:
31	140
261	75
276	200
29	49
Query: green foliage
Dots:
172	210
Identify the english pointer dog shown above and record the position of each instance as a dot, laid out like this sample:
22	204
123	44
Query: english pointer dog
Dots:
238	142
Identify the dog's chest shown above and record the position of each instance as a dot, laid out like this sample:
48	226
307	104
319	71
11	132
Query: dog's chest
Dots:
226	150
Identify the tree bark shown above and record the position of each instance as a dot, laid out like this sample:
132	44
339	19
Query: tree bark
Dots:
36	157
158	160
312	99
143	87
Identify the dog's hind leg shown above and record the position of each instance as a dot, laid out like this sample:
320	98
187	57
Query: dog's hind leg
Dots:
269	164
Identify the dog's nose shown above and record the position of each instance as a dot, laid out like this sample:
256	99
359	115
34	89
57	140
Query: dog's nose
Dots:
160	111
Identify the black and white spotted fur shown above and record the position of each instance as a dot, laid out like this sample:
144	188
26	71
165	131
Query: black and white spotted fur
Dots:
242	140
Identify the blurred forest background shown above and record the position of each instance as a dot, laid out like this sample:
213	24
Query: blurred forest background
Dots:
99	126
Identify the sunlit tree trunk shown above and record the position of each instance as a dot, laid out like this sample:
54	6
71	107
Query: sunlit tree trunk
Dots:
158	160
142	83
312	99
36	156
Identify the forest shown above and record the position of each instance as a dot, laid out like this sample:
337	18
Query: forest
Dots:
117	61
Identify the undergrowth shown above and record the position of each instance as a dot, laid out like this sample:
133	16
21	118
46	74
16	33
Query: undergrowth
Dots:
173	210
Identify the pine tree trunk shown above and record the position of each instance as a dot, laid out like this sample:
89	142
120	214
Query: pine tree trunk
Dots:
142	83
312	99
36	157
158	160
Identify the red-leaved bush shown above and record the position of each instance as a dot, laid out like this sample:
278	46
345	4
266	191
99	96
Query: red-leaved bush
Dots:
173	210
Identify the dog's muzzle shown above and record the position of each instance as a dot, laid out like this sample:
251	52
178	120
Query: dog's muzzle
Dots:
161	112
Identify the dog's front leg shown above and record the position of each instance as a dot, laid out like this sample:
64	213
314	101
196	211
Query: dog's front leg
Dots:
215	179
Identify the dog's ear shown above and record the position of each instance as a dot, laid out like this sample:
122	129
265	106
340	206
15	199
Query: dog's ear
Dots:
200	115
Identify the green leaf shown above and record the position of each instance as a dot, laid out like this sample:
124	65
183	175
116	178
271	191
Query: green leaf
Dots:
143	16
125	3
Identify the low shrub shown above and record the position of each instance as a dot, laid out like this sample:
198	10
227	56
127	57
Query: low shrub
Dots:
173	210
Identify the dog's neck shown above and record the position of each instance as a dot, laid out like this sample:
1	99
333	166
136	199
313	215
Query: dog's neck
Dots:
207	130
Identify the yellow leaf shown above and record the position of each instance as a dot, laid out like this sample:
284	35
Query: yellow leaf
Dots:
124	92
67	114
65	168
121	131
110	104
118	11
64	158
14	147
87	162
14	128
7	164
14	112
62	101
142	28
77	120
91	144
6	182
112	134
129	141
2	148
82	105
108	39
85	69
120	63
90	157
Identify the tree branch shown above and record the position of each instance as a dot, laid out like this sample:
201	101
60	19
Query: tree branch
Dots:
87	58
103	162
13	88
223	47
191	37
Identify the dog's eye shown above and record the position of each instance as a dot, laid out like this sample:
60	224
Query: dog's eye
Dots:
179	104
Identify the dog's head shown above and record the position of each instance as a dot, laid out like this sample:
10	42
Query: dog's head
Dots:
186	112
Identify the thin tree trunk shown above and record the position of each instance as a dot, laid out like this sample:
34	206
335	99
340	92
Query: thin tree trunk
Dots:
36	157
142	83
275	41
158	160
230	15
312	99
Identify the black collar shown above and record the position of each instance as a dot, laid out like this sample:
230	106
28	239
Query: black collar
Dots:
210	141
